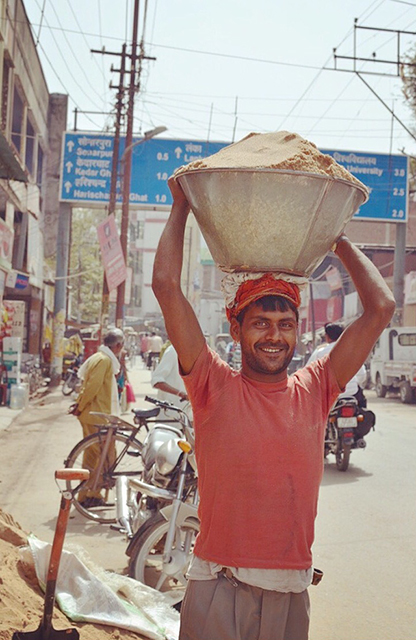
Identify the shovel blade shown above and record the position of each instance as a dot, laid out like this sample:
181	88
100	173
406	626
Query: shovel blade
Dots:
43	634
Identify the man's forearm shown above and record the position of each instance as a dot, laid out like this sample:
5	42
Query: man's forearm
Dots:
167	388
374	293
169	255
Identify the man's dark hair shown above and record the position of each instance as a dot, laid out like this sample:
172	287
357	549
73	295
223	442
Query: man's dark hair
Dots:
333	330
271	303
113	338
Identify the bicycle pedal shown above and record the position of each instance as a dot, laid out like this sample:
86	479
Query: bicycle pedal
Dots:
134	454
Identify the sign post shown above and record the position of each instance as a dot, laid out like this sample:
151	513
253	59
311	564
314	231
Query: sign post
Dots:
111	252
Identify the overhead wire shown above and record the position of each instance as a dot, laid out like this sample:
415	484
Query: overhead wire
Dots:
42	13
371	9
62	84
81	66
66	63
84	37
102	46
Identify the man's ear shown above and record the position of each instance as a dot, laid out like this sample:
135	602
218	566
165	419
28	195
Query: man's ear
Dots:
235	329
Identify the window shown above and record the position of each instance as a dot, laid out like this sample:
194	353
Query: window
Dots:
140	229
39	167
30	147
407	340
5	93
17	120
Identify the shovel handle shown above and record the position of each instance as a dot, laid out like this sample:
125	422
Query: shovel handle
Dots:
72	474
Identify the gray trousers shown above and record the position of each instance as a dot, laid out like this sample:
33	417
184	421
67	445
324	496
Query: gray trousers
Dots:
217	610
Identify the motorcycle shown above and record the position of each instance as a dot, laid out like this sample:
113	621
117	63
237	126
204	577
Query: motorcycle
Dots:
346	428
71	380
165	522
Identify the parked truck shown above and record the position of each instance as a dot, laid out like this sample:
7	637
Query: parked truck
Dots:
393	363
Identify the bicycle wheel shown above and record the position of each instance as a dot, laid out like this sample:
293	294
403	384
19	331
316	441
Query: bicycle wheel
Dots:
146	561
125	460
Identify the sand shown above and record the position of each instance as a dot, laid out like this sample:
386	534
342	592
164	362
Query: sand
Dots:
21	600
279	150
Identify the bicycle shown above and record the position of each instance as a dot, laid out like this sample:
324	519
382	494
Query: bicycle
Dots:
32	373
120	456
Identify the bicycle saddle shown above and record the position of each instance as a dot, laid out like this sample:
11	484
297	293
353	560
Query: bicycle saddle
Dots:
146	413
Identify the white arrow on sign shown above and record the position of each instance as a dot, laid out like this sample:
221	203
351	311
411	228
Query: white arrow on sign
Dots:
178	152
68	186
69	166
70	145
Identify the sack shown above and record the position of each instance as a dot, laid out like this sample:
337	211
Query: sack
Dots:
130	395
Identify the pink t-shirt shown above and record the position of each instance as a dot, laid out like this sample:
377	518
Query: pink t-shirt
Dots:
260	451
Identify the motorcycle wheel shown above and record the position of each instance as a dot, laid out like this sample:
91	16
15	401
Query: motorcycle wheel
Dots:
146	560
342	456
68	385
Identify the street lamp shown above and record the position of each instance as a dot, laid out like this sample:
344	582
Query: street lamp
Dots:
125	162
147	135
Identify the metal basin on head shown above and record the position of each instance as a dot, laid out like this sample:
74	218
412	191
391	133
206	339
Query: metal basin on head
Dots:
270	219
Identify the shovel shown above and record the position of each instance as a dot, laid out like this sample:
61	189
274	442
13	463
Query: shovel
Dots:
45	630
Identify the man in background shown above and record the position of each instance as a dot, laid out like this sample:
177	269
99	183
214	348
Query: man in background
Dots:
155	345
168	381
355	386
98	393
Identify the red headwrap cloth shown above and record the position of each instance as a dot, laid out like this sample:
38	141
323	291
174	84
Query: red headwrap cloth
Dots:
267	285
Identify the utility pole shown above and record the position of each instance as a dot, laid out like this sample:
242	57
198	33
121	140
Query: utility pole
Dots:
397	64
127	164
126	158
114	175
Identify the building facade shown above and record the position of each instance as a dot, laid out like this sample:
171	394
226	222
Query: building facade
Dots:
25	116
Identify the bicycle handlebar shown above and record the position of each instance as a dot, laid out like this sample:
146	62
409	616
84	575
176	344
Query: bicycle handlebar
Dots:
183	417
163	404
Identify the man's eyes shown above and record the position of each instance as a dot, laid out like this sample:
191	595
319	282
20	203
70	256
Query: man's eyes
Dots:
283	325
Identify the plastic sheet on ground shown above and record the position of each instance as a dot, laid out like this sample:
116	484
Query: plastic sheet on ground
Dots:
85	597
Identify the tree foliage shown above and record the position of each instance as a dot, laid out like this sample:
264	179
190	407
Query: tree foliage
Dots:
85	288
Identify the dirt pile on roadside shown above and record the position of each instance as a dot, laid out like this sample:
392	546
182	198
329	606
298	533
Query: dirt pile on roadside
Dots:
21	600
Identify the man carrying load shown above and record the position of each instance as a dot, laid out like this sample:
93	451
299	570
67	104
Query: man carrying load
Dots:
259	441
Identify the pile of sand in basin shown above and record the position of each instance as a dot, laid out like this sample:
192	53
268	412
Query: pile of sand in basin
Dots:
279	150
21	599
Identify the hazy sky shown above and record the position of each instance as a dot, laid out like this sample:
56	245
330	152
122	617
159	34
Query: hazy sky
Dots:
228	67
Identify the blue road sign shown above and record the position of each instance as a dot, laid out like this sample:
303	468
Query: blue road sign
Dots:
87	161
386	177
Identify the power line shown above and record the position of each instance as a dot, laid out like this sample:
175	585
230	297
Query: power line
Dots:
85	39
60	80
73	54
65	62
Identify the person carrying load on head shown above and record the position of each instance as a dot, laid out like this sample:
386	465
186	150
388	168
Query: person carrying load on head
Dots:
259	440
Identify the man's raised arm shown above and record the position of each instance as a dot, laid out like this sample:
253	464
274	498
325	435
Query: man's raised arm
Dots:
356	342
180	320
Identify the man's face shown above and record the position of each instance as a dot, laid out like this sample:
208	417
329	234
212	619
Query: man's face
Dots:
117	349
268	340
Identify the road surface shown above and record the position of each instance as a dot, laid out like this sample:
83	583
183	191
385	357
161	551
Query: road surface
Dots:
366	527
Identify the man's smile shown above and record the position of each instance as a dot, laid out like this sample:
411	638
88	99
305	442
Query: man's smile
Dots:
271	349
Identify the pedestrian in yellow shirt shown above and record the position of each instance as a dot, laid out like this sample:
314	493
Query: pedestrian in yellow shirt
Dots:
98	393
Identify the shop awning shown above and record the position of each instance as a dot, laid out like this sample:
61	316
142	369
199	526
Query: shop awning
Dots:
10	168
